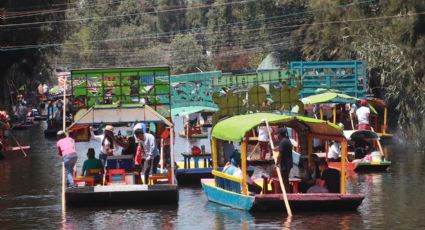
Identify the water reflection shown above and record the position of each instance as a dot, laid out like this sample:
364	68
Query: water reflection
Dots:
30	198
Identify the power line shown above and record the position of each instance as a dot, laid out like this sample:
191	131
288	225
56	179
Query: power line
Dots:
277	27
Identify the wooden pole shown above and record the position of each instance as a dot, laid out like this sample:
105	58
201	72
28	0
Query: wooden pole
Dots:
334	114
321	113
64	105
384	130
343	156
379	143
19	145
279	174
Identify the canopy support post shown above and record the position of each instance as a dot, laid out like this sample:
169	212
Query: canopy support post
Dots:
244	149
172	154
214	153
343	157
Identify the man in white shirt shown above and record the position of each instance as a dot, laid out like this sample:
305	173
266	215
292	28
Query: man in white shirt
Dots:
334	153
362	114
150	152
263	140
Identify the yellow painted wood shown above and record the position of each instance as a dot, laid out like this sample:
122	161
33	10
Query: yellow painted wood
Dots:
334	112
384	130
226	176
309	149
343	169
321	113
244	150
214	153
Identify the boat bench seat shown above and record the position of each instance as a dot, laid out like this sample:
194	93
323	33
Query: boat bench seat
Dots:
227	184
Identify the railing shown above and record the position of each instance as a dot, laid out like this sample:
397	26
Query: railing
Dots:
227	182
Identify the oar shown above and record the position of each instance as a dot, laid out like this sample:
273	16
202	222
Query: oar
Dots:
379	143
279	174
253	150
20	147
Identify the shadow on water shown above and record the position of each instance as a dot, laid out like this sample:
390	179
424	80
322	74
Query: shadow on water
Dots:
30	197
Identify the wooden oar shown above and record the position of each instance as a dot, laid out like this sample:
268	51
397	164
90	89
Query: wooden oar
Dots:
253	150
17	142
279	174
379	144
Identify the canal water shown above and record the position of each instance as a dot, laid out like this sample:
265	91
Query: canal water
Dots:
30	198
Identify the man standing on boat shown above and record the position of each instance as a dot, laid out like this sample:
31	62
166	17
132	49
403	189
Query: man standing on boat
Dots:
362	114
263	141
66	149
150	152
284	159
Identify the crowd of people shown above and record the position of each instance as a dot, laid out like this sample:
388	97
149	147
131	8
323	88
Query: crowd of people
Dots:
142	146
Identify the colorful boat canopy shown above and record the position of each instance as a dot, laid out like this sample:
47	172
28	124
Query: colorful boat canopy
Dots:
183	111
330	97
360	134
235	128
110	114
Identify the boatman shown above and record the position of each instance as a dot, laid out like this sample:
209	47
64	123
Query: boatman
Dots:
362	114
66	149
284	160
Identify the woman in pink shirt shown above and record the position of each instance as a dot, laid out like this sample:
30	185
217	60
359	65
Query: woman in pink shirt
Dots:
66	149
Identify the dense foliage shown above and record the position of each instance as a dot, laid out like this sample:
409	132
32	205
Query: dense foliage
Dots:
201	35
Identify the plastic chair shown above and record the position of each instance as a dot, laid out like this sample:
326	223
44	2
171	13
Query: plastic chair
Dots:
116	176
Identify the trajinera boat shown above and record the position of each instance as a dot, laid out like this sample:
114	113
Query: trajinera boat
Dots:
232	191
367	144
120	188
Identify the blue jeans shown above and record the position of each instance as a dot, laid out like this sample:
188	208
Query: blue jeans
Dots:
69	162
102	158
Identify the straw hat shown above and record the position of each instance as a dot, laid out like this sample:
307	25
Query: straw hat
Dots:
60	133
109	128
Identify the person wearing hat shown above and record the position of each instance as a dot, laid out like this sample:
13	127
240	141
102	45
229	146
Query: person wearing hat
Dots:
108	142
150	153
362	114
284	159
66	149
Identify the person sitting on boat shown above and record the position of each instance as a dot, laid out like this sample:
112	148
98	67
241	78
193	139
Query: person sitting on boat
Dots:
92	164
329	181
66	149
362	114
361	148
263	140
284	160
311	173
233	169
150	153
334	154
193	119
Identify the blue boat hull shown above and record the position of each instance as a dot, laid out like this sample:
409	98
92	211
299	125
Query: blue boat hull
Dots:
228	198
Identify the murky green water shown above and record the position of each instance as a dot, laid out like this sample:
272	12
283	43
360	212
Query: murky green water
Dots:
30	198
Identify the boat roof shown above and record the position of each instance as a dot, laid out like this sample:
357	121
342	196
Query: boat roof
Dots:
183	111
330	97
235	128
360	134
110	114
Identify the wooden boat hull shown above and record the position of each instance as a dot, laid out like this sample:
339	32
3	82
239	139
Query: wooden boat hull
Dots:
299	202
122	195
302	202
194	175
363	166
50	132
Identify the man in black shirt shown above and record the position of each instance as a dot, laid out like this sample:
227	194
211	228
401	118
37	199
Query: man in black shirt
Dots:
330	178
284	159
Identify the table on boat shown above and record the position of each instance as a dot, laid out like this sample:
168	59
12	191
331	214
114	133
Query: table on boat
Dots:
205	156
276	185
